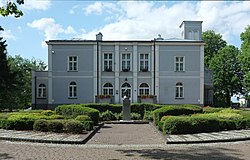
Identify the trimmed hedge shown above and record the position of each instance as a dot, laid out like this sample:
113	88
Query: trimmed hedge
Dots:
103	107
82	118
73	126
55	126
107	116
211	109
41	125
175	110
72	111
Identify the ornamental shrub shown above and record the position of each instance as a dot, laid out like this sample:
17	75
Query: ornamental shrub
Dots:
88	125
48	112
55	126
72	111
107	116
82	118
135	116
142	107
211	109
103	107
175	110
41	125
148	115
73	126
118	116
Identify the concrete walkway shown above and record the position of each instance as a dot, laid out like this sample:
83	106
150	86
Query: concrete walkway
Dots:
124	134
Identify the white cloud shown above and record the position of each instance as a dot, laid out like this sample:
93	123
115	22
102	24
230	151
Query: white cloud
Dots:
36	4
72	10
7	34
144	20
50	28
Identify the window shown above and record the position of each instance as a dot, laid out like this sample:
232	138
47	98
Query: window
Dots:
126	87
144	89
180	63
126	62
196	35
190	35
72	90
72	63
41	91
144	62
179	90
107	63
108	89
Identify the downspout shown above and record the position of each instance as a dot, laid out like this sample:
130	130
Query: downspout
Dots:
97	59
35	94
154	67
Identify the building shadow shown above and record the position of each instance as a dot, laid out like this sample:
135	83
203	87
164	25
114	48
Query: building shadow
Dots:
5	156
203	153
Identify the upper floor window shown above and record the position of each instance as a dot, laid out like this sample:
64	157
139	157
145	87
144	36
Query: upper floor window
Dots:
179	90
107	62
144	62
72	90
42	91
180	63
72	63
144	89
108	89
126	62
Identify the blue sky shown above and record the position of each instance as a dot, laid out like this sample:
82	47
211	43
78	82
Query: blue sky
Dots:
117	20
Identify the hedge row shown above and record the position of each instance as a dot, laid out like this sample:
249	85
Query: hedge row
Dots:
109	116
203	123
74	110
175	110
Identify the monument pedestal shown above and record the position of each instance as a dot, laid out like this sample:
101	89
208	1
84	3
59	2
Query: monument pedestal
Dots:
126	109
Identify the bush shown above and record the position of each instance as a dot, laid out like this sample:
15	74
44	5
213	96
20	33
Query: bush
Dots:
73	126
135	116
73	111
175	110
55	116
41	125
118	116
55	126
107	116
142	107
48	112
103	107
148	115
88	125
211	109
17	124
82	118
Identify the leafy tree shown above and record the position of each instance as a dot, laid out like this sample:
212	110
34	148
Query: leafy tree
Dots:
227	73
24	67
213	43
11	9
245	58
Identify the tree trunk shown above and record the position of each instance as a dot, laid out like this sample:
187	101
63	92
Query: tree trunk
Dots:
228	99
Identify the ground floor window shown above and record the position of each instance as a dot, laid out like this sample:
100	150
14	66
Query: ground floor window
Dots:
144	89
72	90
108	89
41	91
179	90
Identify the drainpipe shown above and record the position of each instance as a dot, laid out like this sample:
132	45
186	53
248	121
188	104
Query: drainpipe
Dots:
35	94
154	67
97	83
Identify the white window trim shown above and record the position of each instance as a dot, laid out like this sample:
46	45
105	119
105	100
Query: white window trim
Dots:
184	68
126	60
144	89
144	61
42	88
179	91
108	88
112	60
68	63
72	97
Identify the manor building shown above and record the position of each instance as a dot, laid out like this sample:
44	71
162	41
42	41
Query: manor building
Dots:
163	71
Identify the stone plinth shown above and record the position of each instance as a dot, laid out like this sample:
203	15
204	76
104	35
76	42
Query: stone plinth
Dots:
126	109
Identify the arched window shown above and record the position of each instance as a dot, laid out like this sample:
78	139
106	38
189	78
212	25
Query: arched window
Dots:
126	87
72	90
41	91
196	35
108	89
190	35
144	89
179	90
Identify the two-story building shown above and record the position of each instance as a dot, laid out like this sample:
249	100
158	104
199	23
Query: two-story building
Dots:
164	71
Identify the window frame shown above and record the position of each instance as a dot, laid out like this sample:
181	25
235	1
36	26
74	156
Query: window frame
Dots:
179	64
178	87
68	62
143	89
126	60
109	89
43	90
72	88
109	67
144	69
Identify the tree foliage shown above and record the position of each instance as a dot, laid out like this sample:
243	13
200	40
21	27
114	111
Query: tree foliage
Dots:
213	43
11	8
245	58
227	73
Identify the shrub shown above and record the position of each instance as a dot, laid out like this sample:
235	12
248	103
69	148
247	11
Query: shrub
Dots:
55	126
74	110
135	116
107	116
103	107
73	126
175	110
142	107
17	124
148	115
118	116
82	118
48	112
211	109
55	116
88	125
41	125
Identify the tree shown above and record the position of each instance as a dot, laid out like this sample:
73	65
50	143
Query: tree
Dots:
245	58
24	67
7	82
227	73
213	43
11	9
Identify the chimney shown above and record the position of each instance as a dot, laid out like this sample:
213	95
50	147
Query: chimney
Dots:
99	36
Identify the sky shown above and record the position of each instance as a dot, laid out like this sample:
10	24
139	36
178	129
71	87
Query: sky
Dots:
45	20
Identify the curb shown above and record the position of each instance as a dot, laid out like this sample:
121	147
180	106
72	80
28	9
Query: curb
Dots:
127	122
91	134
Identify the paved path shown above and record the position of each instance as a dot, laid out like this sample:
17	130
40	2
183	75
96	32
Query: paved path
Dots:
127	134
